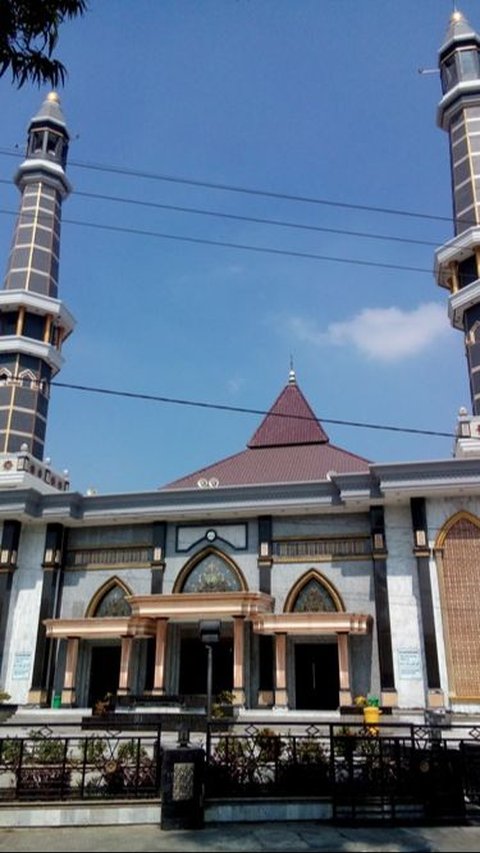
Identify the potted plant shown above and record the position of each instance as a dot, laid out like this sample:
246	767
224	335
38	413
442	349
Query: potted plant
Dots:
6	708
223	705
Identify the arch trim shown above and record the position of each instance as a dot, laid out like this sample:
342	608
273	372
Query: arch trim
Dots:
461	515
202	555
103	591
313	574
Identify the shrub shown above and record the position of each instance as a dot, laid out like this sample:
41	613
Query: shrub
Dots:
223	705
269	744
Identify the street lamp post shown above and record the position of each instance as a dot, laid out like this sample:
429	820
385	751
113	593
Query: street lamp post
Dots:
209	634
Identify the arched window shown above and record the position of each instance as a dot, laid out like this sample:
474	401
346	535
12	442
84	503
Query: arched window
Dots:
110	601
212	573
458	556
313	594
27	377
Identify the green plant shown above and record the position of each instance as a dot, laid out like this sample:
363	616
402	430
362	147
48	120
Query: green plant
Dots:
311	751
129	750
345	742
269	744
46	750
103	706
304	768
94	750
10	751
223	705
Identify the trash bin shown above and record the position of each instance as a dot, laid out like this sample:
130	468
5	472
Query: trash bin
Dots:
57	700
371	717
182	785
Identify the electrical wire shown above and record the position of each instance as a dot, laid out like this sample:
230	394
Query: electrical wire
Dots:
245	410
246	247
234	188
255	219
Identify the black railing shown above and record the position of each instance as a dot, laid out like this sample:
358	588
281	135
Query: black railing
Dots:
390	771
48	766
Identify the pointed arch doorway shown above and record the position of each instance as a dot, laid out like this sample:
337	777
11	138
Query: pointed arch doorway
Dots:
105	655
211	571
317	680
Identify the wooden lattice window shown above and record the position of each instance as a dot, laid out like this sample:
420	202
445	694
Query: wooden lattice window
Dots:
461	605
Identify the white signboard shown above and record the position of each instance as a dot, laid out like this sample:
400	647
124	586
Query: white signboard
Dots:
409	663
21	665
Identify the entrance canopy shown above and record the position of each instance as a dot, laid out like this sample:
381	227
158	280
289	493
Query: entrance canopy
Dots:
192	606
177	607
312	623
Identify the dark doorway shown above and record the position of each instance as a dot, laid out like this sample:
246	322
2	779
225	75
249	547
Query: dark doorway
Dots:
104	672
316	676
193	666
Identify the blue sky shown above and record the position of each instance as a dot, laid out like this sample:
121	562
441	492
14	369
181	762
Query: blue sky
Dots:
311	98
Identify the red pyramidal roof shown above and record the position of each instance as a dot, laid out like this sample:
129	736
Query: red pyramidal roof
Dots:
289	446
289	421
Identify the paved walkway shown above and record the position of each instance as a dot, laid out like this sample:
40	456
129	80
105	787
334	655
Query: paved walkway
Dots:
308	836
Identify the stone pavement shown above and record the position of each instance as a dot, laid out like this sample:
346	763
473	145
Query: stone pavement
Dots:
308	836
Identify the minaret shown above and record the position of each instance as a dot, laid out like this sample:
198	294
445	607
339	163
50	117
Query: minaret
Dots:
33	321
457	263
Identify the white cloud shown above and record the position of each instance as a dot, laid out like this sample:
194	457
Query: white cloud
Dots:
384	334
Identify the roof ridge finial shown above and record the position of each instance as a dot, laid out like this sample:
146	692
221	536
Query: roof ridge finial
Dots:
292	378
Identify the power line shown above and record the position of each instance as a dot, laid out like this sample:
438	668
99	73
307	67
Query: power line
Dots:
230	245
156	176
244	410
255	219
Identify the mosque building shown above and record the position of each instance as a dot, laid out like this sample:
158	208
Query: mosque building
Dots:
329	576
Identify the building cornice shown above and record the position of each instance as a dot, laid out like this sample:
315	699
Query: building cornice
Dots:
385	483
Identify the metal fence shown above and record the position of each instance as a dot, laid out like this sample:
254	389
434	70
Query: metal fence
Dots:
389	771
48	765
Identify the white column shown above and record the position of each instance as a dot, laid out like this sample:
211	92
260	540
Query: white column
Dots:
68	692
344	670
281	693
160	653
239	659
125	666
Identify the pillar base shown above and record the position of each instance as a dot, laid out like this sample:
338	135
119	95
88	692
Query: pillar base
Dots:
38	697
123	691
389	698
345	697
68	697
238	696
265	698
280	699
435	699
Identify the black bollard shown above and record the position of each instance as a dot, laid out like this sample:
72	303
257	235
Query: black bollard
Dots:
182	786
